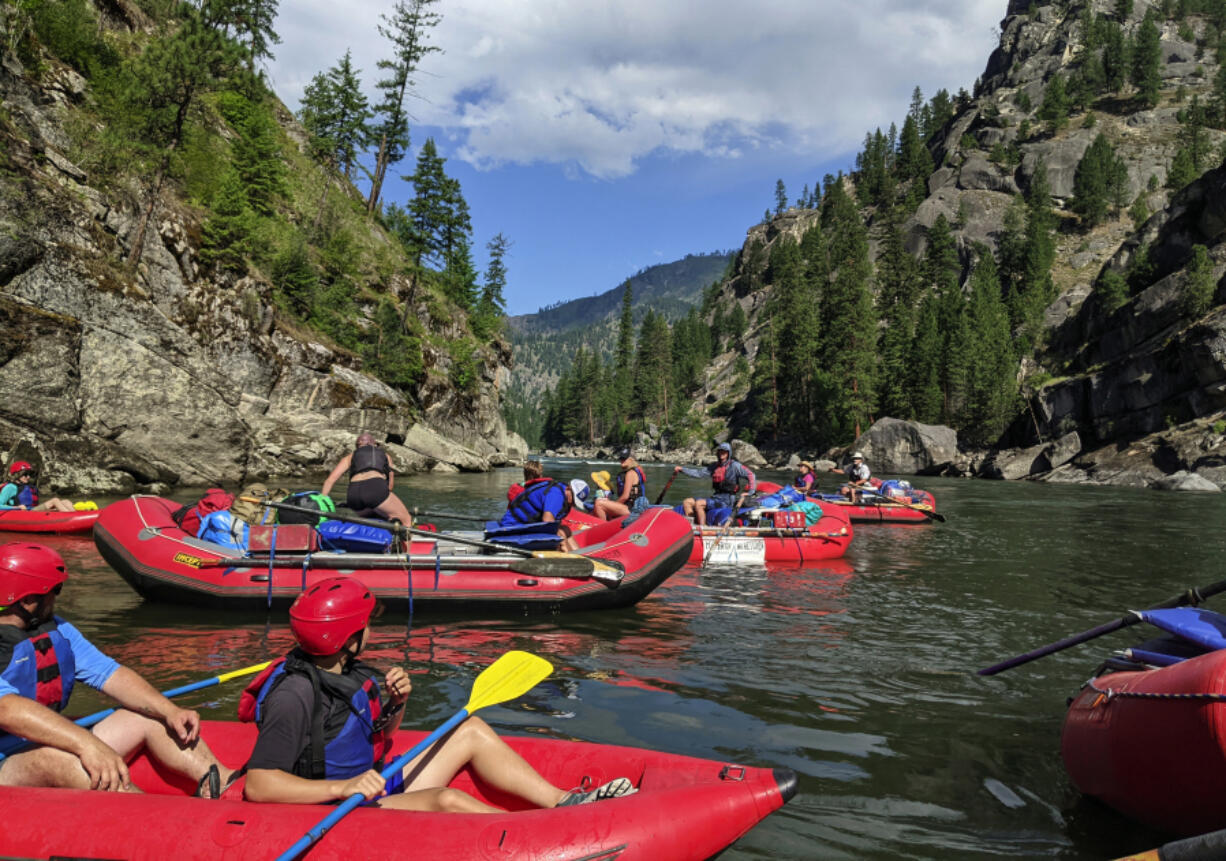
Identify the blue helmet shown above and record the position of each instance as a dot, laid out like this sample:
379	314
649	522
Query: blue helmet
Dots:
723	446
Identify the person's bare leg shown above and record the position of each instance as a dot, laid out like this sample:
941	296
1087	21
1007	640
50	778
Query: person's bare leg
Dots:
609	509
393	509
492	760
700	512
127	732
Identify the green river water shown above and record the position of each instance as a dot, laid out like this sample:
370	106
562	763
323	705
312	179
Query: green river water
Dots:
857	674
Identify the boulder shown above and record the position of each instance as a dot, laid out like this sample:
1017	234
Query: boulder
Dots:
1058	453
747	454
1013	463
908	448
1186	481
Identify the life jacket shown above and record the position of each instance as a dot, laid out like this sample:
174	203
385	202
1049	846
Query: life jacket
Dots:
27	495
529	506
222	527
367	458
189	516
639	489
723	477
347	736
801	483
39	663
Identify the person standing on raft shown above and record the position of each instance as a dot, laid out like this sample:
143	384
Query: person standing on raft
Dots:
631	491
42	657
858	476
19	492
371	477
726	476
293	701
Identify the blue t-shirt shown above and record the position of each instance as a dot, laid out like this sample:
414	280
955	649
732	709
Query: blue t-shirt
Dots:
93	667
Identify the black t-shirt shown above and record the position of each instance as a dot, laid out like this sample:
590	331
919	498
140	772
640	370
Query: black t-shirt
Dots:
285	728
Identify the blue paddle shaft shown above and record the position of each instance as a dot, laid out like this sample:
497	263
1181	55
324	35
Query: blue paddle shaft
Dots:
311	837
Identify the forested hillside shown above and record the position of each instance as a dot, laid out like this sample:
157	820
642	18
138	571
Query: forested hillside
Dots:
147	164
547	343
970	268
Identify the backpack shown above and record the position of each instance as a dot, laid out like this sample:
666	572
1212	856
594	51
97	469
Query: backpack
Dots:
255	512
306	499
189	516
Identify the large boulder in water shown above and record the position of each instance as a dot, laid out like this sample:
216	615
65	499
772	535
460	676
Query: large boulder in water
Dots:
907	448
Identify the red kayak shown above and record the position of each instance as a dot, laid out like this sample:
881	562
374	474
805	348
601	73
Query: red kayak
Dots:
616	566
1152	743
760	544
684	808
47	522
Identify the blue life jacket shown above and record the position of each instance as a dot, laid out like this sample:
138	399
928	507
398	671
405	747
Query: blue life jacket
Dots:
529	505
222	527
640	489
347	736
27	495
38	663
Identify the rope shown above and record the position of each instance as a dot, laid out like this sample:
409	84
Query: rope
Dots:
1108	694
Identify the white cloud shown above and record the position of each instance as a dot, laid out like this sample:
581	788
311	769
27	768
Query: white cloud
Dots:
595	86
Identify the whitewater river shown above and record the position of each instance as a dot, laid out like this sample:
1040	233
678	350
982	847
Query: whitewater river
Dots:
858	674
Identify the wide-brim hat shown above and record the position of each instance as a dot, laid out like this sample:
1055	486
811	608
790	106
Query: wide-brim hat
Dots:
602	479
805	463
857	455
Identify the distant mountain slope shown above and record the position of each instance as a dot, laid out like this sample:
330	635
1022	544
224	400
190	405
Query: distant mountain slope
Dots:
543	343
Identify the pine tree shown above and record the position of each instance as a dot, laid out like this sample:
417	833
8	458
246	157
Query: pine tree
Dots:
898	283
795	307
335	112
781	197
226	241
294	277
653	369
992	383
1055	108
492	306
1147	61
429	208
1098	182
253	27
1123	9
1199	284
925	364
1115	59
407	29
257	158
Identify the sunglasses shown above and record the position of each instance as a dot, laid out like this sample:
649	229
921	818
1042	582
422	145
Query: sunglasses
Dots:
58	588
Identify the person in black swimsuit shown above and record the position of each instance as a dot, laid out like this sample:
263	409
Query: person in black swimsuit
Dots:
371	476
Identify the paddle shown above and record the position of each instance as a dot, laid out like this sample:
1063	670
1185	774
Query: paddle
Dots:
562	565
511	676
1191	596
939	518
671	479
1198	848
13	744
727	527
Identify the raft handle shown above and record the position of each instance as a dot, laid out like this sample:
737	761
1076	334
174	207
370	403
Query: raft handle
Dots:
259	578
524	581
732	772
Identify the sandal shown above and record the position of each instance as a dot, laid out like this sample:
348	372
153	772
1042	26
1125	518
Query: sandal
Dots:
211	779
616	788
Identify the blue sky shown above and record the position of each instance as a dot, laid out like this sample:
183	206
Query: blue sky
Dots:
601	138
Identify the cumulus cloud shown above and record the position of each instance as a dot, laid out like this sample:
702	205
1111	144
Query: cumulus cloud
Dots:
598	86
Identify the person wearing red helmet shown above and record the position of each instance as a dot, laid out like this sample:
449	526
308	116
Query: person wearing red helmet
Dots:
324	725
20	492
41	657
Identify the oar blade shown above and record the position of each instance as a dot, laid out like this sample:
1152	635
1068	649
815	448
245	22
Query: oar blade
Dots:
555	563
511	676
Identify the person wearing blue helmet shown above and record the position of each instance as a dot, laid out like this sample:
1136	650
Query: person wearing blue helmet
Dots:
727	478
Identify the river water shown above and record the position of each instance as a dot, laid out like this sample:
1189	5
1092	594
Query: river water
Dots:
858	674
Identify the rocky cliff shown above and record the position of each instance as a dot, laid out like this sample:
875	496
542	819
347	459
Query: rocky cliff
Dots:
118	376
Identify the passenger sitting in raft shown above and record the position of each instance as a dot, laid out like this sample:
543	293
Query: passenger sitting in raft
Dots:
20	492
544	500
858	476
323	675
806	481
371	477
41	658
631	491
726	477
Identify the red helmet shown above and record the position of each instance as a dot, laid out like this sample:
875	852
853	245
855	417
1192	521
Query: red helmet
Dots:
28	569
20	466
329	613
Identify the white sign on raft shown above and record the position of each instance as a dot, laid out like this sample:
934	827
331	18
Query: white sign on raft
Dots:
733	550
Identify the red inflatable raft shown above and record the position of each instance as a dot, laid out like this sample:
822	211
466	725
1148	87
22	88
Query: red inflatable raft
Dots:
616	566
684	808
762	544
874	509
1152	743
47	522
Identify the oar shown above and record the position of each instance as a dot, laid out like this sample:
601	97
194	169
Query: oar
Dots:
1191	596
671	479
13	744
469	517
1198	848
562	565
939	518
511	676
727	527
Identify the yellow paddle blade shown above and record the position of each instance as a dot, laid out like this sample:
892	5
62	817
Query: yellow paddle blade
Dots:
245	671
511	676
